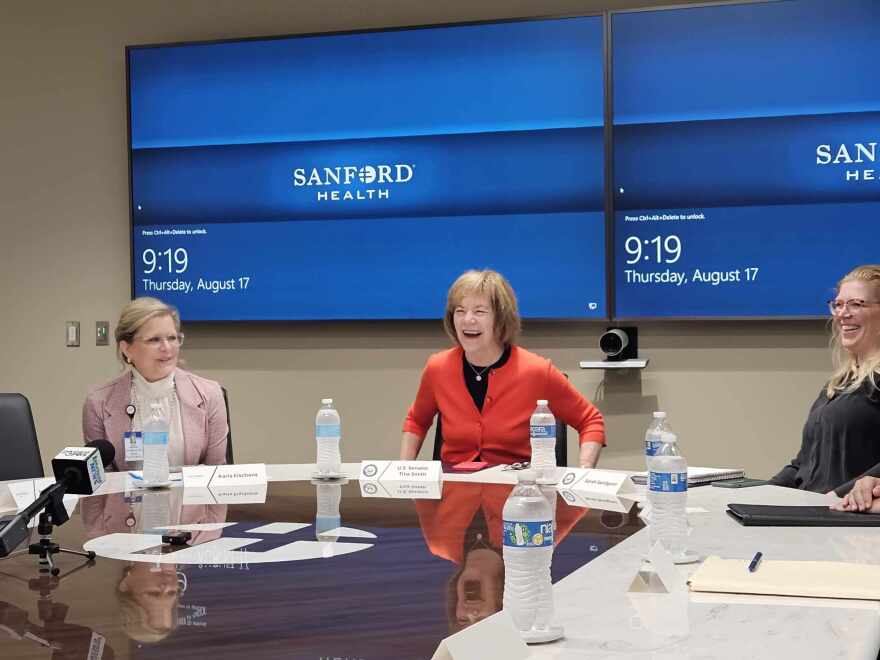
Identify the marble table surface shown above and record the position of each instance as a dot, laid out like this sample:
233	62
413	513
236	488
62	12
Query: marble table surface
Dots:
602	619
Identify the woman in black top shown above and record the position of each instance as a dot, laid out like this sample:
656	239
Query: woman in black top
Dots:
841	438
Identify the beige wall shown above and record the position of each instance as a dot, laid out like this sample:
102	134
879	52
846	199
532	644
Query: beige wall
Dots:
64	255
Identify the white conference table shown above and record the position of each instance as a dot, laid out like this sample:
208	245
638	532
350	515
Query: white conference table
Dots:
603	620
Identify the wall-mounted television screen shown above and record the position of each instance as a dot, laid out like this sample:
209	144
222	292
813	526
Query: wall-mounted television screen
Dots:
746	180
355	175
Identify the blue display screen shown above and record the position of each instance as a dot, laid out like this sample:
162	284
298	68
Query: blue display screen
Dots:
745	139
354	176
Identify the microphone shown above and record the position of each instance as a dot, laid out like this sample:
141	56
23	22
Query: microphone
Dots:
81	469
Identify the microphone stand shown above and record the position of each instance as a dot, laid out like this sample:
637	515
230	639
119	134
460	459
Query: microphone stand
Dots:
53	513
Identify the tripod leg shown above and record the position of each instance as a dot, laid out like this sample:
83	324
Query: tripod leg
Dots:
88	555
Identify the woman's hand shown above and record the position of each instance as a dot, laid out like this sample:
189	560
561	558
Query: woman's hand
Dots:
864	496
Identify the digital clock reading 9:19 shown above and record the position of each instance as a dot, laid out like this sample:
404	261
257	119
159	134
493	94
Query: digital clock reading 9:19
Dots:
170	260
662	250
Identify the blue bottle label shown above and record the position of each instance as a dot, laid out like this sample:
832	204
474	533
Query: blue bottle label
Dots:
651	447
327	430
537	534
669	482
154	438
542	430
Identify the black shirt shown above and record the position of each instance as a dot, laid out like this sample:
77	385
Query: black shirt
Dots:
841	442
478	388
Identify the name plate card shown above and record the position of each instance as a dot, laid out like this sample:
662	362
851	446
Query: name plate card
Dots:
253	494
25	492
591	501
596	482
408	490
218	476
411	471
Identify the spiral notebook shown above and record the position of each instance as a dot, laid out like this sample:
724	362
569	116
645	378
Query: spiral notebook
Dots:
699	475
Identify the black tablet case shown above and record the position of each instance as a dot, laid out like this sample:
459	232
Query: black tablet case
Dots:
799	516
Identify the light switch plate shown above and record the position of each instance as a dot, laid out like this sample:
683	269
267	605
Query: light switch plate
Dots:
102	333
72	335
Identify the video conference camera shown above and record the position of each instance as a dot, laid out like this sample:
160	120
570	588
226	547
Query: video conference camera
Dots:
620	344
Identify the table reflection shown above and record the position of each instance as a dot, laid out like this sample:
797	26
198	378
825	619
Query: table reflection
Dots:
464	527
148	593
315	570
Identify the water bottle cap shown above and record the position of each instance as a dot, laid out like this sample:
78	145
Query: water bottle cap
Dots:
667	436
659	415
542	402
326	401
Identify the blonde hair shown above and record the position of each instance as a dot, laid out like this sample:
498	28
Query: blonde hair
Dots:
494	286
137	313
849	373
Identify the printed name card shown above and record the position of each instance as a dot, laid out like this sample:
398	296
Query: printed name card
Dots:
411	471
253	494
25	492
217	476
592	501
408	490
596	482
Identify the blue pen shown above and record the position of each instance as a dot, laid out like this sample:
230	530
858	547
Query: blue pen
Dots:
753	565
134	476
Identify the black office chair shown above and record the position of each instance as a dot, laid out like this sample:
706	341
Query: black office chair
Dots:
18	440
561	442
229	459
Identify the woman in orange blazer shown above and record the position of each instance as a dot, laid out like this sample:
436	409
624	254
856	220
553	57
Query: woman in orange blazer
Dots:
485	388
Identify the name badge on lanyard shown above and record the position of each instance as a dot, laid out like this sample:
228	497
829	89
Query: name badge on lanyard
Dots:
133	441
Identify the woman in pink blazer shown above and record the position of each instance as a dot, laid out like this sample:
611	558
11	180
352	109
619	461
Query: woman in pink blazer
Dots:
148	341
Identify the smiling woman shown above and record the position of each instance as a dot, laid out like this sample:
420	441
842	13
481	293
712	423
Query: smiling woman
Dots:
485	388
840	438
148	341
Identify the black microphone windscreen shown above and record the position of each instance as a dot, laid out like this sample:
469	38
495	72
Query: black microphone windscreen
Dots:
106	449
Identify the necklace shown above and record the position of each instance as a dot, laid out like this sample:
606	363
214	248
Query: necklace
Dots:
478	374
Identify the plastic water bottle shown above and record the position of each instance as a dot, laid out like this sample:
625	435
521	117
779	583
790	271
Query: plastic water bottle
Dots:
542	433
327	433
156	446
667	493
327	518
659	424
528	553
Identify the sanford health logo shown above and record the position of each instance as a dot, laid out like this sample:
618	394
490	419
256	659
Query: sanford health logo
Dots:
353	182
857	159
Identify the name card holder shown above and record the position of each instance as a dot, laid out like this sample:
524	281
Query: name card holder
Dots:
494	637
410	471
592	501
247	494
25	493
596	482
408	490
215	476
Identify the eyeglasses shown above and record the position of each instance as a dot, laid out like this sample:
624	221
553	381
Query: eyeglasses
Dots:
516	466
156	342
853	305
